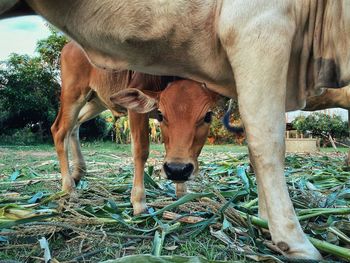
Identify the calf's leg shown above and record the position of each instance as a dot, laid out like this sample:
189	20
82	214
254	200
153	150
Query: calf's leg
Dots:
140	150
61	129
89	111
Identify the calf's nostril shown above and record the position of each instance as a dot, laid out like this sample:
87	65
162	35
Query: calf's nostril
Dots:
178	171
188	169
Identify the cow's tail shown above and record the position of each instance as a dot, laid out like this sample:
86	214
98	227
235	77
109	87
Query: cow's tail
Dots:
226	121
12	8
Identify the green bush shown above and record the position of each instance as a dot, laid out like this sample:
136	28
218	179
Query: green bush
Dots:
28	93
30	90
218	134
320	124
23	136
95	129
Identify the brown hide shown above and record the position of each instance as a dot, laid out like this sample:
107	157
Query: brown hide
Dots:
184	127
185	110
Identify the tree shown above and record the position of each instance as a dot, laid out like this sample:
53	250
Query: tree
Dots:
28	91
49	50
320	124
218	133
29	86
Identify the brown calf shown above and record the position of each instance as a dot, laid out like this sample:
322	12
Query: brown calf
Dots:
86	92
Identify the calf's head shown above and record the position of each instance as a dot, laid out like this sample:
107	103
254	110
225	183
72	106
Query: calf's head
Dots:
184	112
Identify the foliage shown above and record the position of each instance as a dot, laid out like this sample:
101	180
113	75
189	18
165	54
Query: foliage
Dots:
320	124
29	93
118	129
49	50
94	129
218	134
29	89
122	130
23	136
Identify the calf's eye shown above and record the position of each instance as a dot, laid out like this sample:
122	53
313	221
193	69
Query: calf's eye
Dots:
208	117
159	116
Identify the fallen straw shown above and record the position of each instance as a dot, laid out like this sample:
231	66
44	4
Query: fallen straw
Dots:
180	218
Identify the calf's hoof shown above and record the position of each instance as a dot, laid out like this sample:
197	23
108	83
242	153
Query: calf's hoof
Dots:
68	185
139	208
78	174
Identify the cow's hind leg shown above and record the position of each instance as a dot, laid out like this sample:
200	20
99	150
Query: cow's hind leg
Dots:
140	150
259	58
89	111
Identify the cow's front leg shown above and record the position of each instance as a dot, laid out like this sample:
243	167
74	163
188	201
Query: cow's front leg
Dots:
259	58
140	150
61	129
263	117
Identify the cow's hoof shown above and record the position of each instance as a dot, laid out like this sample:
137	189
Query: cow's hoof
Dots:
300	251
139	208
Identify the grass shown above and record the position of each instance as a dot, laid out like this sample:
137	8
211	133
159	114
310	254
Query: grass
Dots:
97	222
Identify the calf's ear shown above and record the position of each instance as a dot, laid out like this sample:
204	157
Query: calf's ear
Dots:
135	100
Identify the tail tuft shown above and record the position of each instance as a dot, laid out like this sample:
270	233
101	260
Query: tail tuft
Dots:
226	122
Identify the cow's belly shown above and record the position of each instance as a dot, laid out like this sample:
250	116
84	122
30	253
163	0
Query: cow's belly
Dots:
173	42
215	71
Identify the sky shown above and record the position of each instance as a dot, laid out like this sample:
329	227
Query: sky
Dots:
20	34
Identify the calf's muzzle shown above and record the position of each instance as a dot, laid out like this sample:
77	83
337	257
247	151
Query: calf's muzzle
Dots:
178	172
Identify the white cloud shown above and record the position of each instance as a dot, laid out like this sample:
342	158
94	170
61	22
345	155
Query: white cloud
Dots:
20	34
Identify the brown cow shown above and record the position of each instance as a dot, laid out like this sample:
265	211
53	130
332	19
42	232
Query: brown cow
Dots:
86	92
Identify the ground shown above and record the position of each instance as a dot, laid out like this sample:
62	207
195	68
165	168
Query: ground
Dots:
97	224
